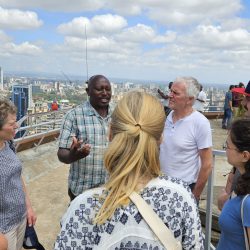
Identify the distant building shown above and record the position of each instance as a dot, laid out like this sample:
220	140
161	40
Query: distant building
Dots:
57	86
1	78
22	98
36	89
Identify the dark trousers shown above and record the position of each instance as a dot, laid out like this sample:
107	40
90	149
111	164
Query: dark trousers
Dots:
227	119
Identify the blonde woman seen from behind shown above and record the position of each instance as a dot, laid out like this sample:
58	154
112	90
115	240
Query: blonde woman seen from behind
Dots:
104	217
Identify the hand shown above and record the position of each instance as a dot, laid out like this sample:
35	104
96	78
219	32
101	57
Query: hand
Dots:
196	196
159	91
222	198
79	147
31	217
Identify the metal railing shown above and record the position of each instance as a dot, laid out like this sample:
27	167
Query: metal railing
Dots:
39	126
209	205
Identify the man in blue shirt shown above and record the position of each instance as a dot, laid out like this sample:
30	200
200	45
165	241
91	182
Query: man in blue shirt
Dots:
228	109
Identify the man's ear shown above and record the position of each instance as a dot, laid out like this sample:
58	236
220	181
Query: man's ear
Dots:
87	90
190	99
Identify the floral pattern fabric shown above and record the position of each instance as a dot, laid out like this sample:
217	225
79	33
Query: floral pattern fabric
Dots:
170	198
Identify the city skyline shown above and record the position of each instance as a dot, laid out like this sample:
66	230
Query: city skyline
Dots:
144	40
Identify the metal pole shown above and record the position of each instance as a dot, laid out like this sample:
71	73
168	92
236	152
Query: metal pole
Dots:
209	207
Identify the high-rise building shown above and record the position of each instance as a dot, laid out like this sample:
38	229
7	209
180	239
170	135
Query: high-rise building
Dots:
57	86
1	78
22	98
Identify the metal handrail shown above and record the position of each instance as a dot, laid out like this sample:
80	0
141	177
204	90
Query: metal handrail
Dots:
39	125
209	205
54	122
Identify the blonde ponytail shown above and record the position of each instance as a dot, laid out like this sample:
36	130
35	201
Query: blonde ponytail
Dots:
133	154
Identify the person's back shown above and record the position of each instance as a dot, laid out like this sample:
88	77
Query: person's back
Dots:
105	218
169	197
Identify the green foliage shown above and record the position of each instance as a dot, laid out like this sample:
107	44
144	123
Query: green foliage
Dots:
73	96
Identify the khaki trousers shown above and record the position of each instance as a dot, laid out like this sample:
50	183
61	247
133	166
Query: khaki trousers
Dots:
16	235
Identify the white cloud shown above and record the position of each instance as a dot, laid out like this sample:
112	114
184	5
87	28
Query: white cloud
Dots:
25	49
3	37
175	13
140	33
170	36
128	7
108	23
16	19
75	28
98	25
143	38
214	37
55	5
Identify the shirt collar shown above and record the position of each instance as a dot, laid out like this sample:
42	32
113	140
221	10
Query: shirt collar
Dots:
92	111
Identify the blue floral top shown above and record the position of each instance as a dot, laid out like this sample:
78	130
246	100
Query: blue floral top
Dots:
170	198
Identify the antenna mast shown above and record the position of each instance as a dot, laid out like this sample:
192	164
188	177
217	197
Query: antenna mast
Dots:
86	54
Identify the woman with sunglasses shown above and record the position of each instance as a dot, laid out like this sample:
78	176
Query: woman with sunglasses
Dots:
238	154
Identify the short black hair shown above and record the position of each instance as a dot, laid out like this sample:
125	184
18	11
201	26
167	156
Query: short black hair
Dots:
95	78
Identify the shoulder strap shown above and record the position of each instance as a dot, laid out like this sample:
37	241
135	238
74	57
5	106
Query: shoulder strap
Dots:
12	145
165	236
242	215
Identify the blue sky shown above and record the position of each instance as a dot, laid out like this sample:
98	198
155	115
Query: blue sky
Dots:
143	39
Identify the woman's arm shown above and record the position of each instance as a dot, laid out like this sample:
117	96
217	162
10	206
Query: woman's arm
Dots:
31	217
226	192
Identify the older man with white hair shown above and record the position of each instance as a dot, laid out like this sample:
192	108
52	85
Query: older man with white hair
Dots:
186	150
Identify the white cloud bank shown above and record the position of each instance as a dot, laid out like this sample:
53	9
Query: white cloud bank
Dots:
154	39
17	19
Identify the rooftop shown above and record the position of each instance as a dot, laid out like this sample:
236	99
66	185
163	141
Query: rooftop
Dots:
46	180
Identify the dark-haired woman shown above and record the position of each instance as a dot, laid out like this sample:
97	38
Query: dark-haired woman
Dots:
230	221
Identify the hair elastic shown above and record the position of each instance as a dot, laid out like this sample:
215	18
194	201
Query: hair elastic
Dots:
138	125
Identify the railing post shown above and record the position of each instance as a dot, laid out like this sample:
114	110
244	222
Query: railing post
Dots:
209	208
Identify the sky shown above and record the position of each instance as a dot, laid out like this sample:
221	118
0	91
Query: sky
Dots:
132	39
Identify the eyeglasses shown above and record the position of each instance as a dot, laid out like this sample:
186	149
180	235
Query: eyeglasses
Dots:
225	147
